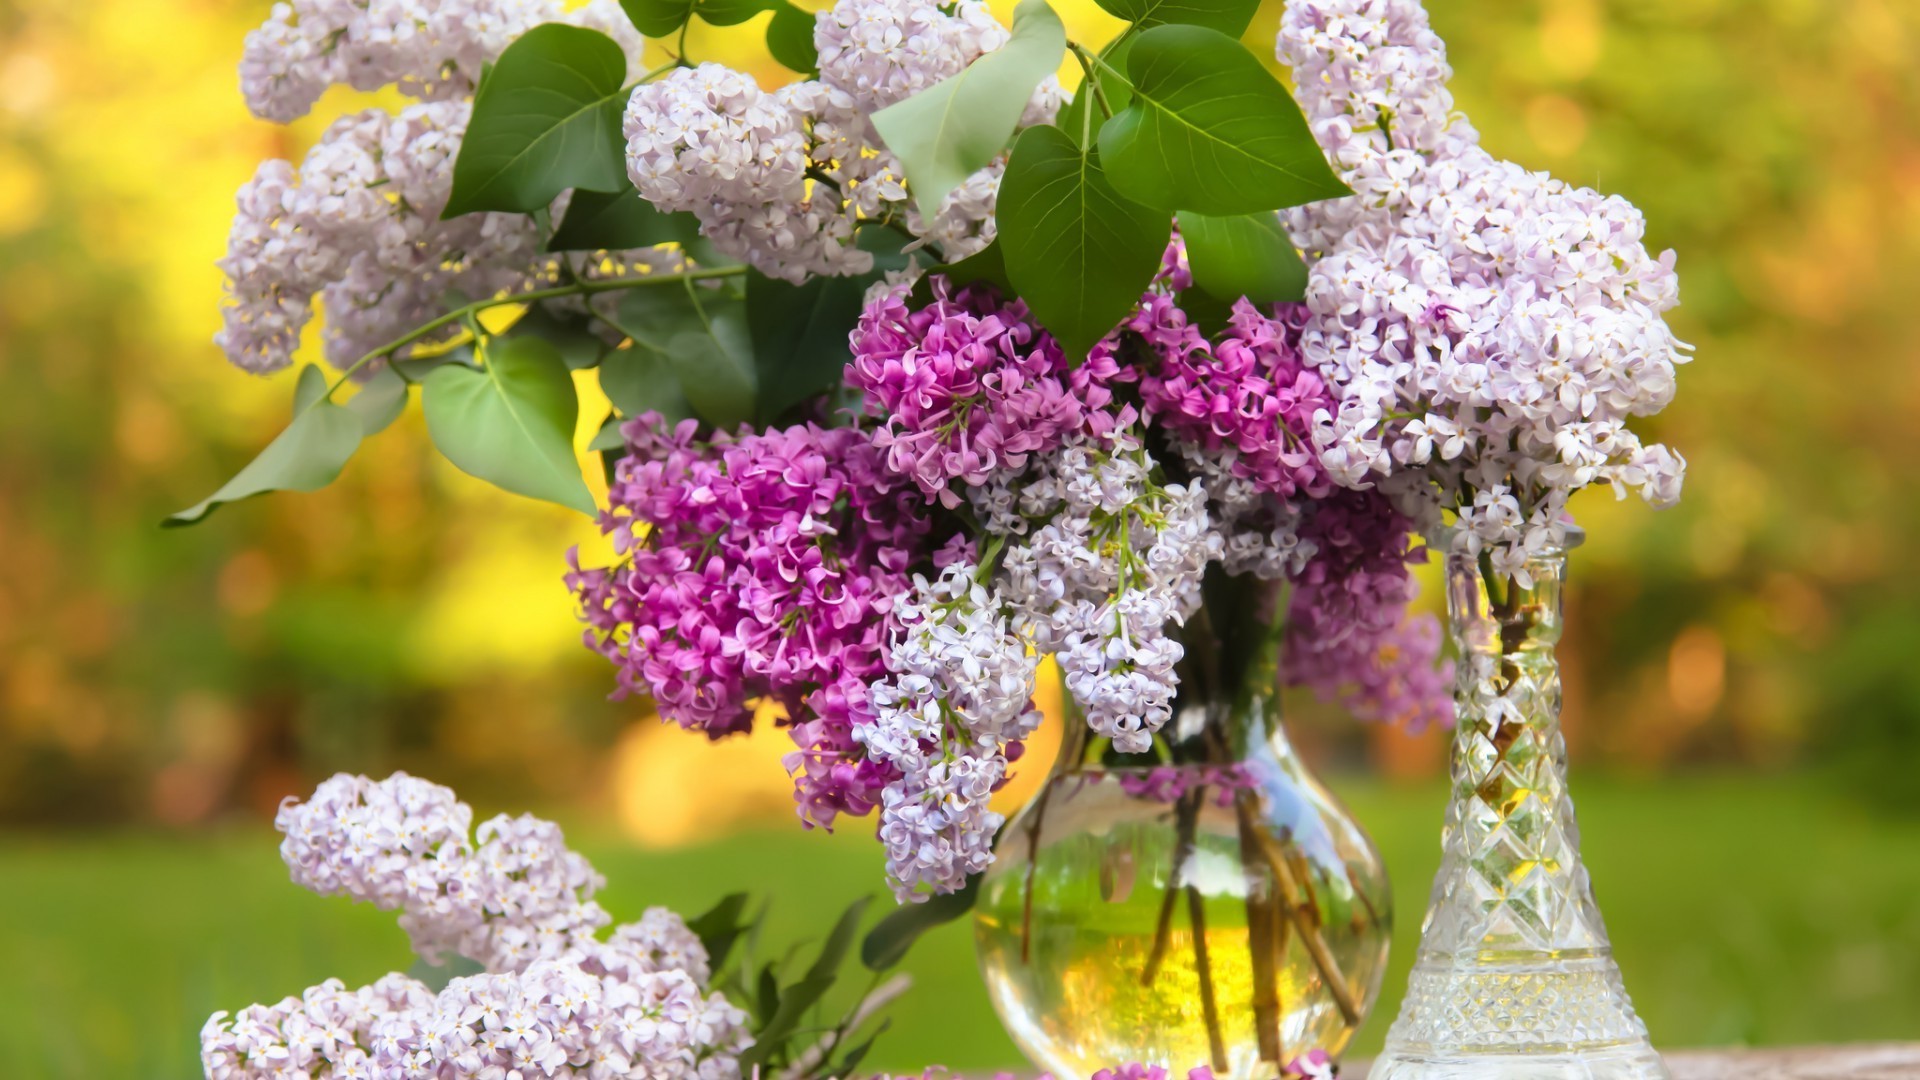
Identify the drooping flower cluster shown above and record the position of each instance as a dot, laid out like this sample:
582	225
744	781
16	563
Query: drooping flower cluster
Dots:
560	1003
357	226
763	565
954	707
1105	577
781	179
1488	331
517	896
968	387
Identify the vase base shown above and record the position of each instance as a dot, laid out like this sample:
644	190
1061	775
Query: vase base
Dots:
1616	1063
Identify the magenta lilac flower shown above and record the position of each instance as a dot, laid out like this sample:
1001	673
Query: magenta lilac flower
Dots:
970	386
759	565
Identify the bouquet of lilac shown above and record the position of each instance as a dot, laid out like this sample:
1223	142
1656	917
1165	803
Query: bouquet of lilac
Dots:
923	371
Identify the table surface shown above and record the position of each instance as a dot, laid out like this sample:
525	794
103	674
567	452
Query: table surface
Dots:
1878	1061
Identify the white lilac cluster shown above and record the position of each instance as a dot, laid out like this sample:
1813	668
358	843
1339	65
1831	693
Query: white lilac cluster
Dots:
781	179
555	1001
1111	566
357	226
958	695
404	844
1487	330
600	1012
430	49
1259	532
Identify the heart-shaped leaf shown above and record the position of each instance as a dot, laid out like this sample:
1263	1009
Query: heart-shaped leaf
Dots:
307	456
1248	256
790	39
510	423
546	118
958	126
619	221
1077	252
799	337
658	18
1211	130
1230	17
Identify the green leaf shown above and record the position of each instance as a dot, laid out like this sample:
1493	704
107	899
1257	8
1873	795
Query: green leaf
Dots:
619	221
714	362
546	119
1119	93
799	337
766	995
790	39
1076	251
701	335
1230	17
1207	312
858	1052
987	266
380	401
1209	129
719	927
511	422
608	437
958	126
579	346
652	315
305	457
1250	255
730	12
658	18
794	1002
834	951
887	943
639	380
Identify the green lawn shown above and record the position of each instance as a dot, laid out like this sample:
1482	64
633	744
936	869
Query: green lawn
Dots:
1744	911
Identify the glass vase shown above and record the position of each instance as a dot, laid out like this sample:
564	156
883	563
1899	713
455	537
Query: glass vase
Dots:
1515	977
1214	905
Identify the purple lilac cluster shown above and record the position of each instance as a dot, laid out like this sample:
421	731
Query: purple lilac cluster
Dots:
1247	394
554	1001
969	387
1349	637
758	566
405	844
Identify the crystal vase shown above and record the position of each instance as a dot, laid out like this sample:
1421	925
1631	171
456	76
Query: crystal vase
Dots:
1514	977
1214	905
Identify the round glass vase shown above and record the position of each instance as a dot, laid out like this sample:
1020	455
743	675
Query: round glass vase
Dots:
1212	905
1515	979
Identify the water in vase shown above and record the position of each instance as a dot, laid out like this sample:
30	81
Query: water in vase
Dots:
1151	927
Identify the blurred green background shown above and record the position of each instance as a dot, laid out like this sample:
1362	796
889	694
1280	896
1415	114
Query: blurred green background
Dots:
1742	696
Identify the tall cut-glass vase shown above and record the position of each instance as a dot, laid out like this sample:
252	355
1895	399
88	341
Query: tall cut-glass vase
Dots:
1207	904
1515	977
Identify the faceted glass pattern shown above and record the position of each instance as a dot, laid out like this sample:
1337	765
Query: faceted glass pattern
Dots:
1514	977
